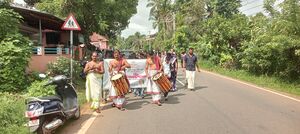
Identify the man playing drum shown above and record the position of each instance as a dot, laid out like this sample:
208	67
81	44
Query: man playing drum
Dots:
117	66
153	66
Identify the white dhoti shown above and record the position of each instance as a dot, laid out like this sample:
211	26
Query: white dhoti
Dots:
119	101
190	76
152	88
93	89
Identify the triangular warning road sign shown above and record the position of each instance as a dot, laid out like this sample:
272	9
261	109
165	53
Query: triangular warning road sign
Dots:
71	24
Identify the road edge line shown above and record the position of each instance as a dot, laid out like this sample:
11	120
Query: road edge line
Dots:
88	123
251	85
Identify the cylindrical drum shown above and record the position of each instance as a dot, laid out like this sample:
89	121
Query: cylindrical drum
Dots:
120	84
162	82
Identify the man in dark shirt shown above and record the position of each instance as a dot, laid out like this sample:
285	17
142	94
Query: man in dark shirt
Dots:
190	64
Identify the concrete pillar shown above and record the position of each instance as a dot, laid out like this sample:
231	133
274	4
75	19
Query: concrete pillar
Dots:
60	48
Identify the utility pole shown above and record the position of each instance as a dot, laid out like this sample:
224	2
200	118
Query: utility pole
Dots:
149	42
174	18
174	23
71	24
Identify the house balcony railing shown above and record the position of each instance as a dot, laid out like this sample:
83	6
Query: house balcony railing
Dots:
40	50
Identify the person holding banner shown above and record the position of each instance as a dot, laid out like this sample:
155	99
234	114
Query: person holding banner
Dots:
153	66
94	70
174	68
116	66
140	91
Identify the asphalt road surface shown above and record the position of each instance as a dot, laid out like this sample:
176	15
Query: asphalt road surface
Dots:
217	106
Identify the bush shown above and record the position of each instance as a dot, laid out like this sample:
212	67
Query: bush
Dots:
15	53
33	76
9	22
62	67
226	61
12	117
37	89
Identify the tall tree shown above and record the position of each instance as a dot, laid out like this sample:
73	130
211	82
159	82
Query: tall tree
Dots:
269	6
135	42
102	16
189	14
15	51
274	46
192	11
225	8
162	14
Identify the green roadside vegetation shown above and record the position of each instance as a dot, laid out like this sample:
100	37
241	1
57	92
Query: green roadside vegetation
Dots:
12	108
269	82
12	105
16	50
261	48
80	88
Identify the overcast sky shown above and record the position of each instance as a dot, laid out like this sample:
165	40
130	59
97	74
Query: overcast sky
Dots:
140	22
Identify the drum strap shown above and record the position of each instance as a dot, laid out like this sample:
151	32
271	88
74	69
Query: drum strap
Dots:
156	63
120	65
173	60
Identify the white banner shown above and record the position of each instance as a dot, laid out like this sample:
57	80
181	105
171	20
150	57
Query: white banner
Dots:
136	74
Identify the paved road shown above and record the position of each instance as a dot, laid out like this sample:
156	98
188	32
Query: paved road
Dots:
218	106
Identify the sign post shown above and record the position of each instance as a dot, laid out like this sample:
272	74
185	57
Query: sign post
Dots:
71	24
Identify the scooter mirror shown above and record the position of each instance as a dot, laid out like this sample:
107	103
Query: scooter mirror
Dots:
42	75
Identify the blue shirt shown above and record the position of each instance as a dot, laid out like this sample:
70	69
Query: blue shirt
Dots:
190	62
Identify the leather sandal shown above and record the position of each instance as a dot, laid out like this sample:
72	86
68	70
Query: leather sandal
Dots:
98	110
113	105
158	103
121	108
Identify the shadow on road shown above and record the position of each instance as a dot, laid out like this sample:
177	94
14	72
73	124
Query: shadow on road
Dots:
107	106
173	98
137	102
200	87
196	88
136	105
147	97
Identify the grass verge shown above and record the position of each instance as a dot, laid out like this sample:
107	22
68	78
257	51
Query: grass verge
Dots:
12	117
12	109
80	88
269	82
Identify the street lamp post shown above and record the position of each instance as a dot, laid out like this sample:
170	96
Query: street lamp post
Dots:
149	42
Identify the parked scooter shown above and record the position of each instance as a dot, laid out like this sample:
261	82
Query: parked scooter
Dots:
48	113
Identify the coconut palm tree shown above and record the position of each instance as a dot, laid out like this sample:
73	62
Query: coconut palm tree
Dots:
162	13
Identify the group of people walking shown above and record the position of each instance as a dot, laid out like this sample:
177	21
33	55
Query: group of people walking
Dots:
165	63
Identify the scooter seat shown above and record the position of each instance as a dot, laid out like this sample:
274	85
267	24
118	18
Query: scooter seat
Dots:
51	98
